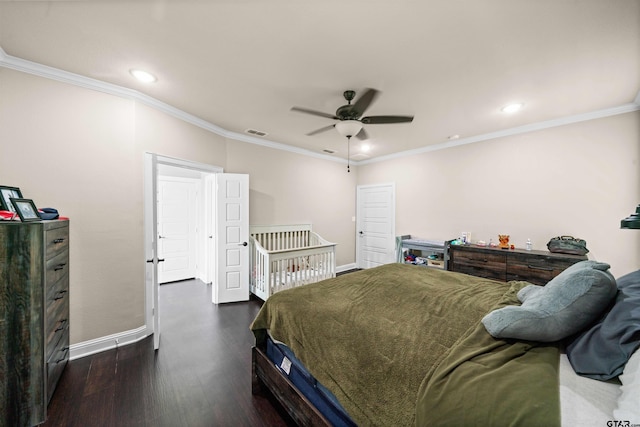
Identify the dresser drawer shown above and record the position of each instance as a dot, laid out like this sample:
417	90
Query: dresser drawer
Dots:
56	290
57	322
56	239
56	363
56	268
481	264
537	269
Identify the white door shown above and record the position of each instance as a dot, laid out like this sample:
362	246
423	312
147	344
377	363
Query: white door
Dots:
232	238
151	246
209	229
177	228
375	226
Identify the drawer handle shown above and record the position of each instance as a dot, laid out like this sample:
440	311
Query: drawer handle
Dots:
58	240
60	295
64	355
534	267
63	323
59	266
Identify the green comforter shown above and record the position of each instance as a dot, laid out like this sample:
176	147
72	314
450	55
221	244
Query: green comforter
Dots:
401	345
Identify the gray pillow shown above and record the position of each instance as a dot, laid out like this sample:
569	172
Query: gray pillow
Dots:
602	351
567	304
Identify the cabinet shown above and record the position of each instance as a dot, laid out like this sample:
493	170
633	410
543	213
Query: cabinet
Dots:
34	317
537	267
430	253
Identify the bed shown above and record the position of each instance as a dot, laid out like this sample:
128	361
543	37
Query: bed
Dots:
287	256
405	345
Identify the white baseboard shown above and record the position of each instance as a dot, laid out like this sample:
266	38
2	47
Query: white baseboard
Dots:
108	342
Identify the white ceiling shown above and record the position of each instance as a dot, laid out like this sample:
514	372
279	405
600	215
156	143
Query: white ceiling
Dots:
242	64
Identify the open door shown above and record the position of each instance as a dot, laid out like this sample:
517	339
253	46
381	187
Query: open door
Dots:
231	282
151	245
209	229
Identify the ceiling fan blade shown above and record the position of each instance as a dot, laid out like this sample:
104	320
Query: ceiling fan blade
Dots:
324	129
362	135
364	101
378	120
314	112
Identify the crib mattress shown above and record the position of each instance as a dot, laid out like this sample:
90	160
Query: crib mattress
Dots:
285	360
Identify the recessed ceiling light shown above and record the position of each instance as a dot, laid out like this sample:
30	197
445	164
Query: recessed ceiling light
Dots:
512	108
143	76
452	137
365	148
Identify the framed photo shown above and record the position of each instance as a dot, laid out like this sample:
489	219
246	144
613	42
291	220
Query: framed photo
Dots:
26	209
6	193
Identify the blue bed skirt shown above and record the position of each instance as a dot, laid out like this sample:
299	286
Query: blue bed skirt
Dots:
326	403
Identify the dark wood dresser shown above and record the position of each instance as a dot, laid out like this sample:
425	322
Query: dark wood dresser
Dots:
34	317
536	267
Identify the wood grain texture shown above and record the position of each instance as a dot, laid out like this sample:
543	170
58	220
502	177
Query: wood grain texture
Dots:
267	377
22	373
536	267
201	376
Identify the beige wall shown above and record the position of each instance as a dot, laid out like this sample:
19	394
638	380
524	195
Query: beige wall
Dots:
74	150
579	179
287	188
82	151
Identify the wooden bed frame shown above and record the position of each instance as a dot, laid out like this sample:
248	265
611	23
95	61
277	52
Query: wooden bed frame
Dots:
265	375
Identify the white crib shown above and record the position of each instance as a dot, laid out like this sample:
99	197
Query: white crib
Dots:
286	256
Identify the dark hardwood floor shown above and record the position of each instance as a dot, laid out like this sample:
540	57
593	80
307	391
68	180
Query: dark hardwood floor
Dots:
200	376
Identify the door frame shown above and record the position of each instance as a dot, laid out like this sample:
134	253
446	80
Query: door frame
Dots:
150	205
392	219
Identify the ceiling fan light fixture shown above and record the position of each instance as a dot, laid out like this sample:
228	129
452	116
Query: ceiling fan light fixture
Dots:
348	128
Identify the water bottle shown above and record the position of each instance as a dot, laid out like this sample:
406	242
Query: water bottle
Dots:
529	244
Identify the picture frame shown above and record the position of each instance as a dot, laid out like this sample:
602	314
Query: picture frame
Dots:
6	193
26	209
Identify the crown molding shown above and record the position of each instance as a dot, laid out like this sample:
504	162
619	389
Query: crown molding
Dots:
51	73
622	109
45	71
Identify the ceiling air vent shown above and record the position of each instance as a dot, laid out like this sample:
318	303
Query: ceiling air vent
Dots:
326	150
255	132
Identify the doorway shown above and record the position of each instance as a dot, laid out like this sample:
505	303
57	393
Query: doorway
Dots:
154	167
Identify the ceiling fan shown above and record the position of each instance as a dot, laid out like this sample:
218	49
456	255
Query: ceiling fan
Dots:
350	118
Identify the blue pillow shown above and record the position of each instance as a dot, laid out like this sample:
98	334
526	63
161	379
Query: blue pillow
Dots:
569	303
602	351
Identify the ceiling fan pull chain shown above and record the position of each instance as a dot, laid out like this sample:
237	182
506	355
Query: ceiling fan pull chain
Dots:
348	152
